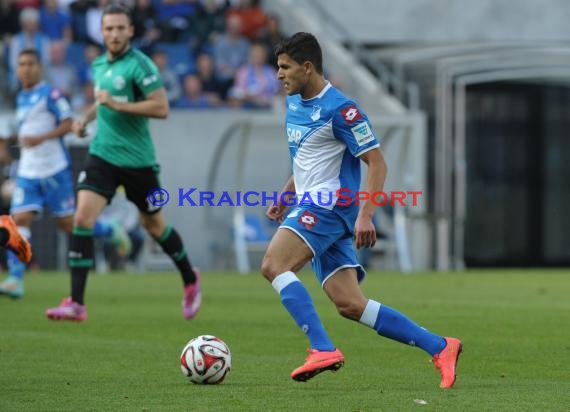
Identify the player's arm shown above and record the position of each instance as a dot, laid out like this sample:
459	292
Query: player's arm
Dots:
79	127
277	211
63	128
4	150
155	105
289	186
364	229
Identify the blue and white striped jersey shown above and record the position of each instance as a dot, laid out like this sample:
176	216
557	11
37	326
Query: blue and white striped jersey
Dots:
39	111
326	136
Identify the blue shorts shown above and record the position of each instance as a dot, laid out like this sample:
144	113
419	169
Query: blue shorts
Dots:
328	237
55	192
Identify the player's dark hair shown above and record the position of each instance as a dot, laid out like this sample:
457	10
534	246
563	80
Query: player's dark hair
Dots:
302	47
117	9
31	52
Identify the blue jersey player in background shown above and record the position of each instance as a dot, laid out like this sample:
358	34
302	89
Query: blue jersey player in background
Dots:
44	175
329	135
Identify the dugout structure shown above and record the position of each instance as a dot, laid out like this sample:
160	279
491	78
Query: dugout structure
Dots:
243	154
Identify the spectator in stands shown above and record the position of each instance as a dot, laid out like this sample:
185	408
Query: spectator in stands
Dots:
211	86
65	6
272	36
193	96
93	22
24	4
230	51
84	73
210	21
55	23
84	99
29	37
78	12
174	18
8	19
147	32
256	83
59	73
170	80
253	18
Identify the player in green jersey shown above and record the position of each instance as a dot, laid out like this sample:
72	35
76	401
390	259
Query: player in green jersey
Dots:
129	91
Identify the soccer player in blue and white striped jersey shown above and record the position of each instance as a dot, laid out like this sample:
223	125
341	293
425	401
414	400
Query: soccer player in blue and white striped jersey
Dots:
329	135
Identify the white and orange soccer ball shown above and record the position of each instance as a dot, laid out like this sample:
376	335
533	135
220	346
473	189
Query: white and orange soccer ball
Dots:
206	359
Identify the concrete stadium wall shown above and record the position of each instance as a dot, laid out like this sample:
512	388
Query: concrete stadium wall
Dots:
186	146
388	21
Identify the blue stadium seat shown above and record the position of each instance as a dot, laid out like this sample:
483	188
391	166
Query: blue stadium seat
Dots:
255	230
180	59
75	53
6	55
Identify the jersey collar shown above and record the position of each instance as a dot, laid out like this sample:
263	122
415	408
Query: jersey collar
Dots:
37	86
328	85
129	49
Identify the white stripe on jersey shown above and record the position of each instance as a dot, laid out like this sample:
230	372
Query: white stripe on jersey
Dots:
326	134
34	119
316	167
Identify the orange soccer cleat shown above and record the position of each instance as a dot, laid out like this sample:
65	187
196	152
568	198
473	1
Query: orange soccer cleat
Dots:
317	362
446	362
16	242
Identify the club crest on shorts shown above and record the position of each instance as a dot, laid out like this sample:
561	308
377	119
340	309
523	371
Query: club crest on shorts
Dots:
308	219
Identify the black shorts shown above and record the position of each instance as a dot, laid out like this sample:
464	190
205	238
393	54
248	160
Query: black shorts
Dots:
103	178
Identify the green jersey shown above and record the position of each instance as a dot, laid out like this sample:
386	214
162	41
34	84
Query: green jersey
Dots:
124	139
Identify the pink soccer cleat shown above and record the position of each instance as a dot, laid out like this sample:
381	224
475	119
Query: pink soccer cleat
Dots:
192	297
68	310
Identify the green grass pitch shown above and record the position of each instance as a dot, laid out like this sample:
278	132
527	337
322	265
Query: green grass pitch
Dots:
515	326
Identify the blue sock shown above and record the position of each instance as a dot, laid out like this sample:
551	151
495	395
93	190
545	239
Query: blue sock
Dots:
300	306
15	266
392	324
102	229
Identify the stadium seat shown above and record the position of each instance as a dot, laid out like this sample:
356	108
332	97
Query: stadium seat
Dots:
255	231
75	53
180	59
257	234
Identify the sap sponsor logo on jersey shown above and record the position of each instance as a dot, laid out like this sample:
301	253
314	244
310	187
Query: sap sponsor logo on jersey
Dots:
362	133
149	80
295	132
351	114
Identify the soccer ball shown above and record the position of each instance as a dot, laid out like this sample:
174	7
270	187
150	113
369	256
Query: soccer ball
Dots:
206	359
